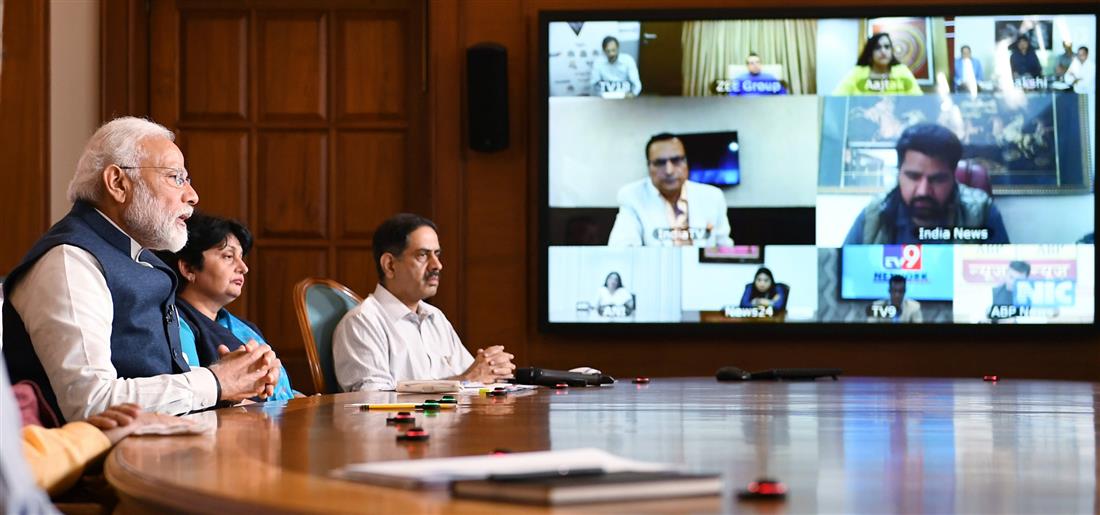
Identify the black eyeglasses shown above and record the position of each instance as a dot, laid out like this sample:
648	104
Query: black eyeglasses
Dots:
660	162
179	176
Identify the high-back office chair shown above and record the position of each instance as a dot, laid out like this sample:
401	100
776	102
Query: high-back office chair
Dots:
974	175
320	304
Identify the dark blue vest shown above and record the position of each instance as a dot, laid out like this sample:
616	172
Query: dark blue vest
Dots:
144	331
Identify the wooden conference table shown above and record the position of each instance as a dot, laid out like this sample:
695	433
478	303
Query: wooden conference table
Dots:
855	445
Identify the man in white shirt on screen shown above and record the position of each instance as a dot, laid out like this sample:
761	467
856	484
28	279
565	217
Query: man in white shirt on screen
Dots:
668	209
617	75
394	335
1082	72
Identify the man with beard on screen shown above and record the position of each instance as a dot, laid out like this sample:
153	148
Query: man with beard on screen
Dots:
928	205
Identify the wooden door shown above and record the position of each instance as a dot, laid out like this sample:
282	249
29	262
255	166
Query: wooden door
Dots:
303	120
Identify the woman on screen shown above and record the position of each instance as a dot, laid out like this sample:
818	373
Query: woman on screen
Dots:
878	72
764	292
613	298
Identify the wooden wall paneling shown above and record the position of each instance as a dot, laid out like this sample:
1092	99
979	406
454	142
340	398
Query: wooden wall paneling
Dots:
214	75
292	191
369	187
164	65
24	128
218	164
311	132
445	91
495	200
292	60
124	58
275	271
355	269
372	66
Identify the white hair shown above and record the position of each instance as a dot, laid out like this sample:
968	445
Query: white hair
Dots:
117	142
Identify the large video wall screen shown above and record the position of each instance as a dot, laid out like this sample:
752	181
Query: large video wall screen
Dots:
883	170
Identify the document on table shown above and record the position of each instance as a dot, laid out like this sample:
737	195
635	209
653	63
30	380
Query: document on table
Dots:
473	387
442	471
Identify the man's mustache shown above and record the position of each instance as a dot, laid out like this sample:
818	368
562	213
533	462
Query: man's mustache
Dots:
927	201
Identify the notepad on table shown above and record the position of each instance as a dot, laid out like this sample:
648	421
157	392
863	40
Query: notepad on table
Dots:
439	472
590	488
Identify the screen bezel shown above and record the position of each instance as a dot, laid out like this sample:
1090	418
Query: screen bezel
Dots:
817	329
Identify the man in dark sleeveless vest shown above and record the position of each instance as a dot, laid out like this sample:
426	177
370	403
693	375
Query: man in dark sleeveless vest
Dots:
929	205
90	315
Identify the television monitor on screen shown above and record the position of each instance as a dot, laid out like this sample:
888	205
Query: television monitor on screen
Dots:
750	170
713	157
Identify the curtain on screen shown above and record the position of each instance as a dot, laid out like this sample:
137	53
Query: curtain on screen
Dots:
711	45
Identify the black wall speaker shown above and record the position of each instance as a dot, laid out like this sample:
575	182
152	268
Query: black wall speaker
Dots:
487	97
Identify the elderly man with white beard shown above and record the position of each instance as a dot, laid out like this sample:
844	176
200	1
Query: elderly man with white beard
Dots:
90	316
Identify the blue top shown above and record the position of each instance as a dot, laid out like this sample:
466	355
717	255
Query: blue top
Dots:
959	63
780	304
187	343
759	84
242	332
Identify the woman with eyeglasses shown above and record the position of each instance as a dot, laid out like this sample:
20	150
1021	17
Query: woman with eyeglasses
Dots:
211	270
878	72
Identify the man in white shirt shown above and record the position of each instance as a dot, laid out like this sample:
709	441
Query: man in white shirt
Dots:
668	209
1082	73
616	76
394	335
90	314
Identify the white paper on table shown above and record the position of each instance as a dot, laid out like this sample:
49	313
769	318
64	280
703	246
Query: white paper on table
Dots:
472	387
441	471
194	424
429	386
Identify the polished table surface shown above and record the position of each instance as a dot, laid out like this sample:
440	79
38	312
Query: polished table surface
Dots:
858	445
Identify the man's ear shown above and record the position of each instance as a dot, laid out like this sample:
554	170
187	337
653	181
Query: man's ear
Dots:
117	183
386	261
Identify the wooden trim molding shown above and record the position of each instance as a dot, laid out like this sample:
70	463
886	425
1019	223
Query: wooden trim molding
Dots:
124	58
24	128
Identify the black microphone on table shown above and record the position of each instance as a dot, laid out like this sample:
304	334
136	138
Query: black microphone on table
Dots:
546	377
776	374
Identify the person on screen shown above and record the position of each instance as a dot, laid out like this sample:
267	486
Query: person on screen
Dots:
764	292
616	73
878	72
905	310
928	204
1064	60
1082	72
393	335
968	71
755	81
1023	61
613	299
668	209
1005	293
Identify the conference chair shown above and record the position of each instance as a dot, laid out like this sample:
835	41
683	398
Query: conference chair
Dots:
973	174
320	304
